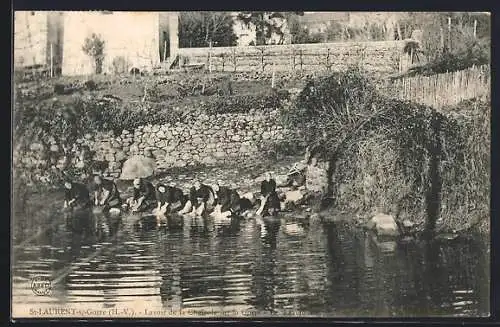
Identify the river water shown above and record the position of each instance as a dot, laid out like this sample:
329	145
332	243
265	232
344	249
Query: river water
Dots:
241	269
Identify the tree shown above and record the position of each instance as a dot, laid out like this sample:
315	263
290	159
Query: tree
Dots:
93	46
299	33
448	40
267	24
202	28
439	37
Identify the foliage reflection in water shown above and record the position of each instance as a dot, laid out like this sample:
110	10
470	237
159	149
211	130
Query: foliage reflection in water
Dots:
242	267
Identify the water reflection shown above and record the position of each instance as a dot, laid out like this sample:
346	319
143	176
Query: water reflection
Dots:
264	281
248	265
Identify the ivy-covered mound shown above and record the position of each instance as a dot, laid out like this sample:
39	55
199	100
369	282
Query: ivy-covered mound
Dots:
397	157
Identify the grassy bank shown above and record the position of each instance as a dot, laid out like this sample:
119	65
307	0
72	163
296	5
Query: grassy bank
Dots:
401	158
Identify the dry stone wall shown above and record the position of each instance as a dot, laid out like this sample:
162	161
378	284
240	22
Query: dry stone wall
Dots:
379	56
205	140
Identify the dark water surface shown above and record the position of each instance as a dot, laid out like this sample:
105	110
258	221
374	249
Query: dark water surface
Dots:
242	269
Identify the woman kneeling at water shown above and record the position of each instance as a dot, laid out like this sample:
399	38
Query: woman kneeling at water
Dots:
228	201
106	194
201	200
144	196
76	195
77	200
168	197
270	202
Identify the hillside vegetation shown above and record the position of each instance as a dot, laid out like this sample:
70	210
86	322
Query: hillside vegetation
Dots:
397	157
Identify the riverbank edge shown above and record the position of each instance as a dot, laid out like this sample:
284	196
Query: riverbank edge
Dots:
303	213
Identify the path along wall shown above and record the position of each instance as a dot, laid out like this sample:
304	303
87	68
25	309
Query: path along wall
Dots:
199	140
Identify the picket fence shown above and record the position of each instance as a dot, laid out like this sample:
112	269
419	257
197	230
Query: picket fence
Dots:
445	89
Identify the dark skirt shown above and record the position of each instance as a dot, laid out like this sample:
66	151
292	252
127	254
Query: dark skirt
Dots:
230	202
177	206
81	220
272	206
147	205
115	202
244	204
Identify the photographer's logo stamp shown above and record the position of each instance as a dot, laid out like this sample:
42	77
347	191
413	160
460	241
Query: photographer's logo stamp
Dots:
41	285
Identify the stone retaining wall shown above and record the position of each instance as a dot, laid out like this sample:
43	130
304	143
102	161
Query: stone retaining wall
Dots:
202	140
384	56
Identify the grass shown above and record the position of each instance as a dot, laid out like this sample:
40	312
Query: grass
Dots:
131	88
449	189
467	200
396	157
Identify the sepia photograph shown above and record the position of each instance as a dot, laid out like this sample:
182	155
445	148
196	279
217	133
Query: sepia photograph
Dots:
250	164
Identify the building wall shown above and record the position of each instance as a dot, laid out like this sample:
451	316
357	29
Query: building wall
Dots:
132	36
169	34
34	32
30	38
208	140
163	35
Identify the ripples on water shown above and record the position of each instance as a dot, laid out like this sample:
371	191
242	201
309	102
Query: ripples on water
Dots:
331	270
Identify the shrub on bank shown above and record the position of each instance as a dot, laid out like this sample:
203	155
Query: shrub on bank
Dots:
476	53
276	150
269	100
468	189
397	157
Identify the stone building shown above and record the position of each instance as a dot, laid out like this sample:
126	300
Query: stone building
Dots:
169	34
37	35
131	39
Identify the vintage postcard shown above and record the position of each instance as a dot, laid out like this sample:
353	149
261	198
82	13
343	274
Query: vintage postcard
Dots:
250	164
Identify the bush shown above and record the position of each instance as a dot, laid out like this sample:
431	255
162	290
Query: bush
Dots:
393	156
189	84
59	89
325	106
90	85
68	122
468	189
276	150
474	53
245	103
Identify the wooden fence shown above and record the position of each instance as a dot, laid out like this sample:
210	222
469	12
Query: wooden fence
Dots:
445	89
